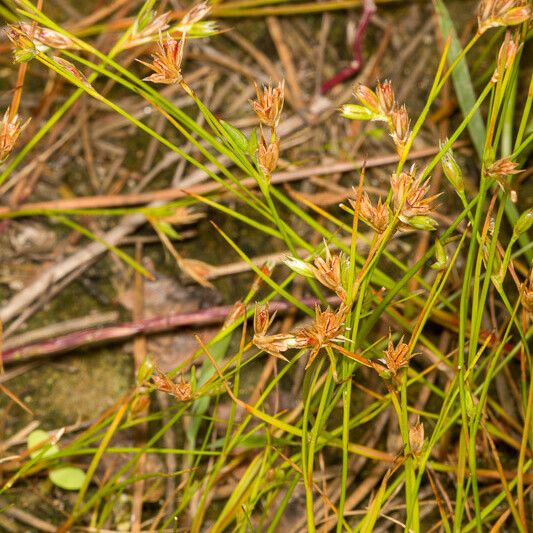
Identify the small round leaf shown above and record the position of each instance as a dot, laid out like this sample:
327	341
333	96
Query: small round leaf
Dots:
37	437
67	477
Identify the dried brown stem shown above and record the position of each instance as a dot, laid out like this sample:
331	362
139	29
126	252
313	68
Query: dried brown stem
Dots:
127	330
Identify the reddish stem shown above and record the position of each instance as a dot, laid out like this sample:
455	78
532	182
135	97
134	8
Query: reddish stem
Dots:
369	9
88	337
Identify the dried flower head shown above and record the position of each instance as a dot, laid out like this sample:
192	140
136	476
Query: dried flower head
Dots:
328	271
375	216
327	328
268	154
409	198
494	13
400	127
166	61
416	437
526	294
272	344
502	168
396	357
262	319
269	104
10	130
386	99
182	391
368	99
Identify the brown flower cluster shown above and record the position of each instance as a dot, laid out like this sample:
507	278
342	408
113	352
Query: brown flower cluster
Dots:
502	168
182	391
10	129
409	199
376	216
381	105
326	329
494	13
330	271
395	358
166	61
416	437
273	344
268	106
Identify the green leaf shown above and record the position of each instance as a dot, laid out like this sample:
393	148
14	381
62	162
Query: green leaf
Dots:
67	477
253	144
462	81
37	437
236	135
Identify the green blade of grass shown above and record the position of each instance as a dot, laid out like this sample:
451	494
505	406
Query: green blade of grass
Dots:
462	80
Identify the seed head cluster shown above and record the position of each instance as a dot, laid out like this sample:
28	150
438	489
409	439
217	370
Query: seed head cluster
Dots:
494	13
166	61
381	106
10	129
268	106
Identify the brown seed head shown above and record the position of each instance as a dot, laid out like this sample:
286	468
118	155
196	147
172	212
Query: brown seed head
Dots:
416	437
166	61
396	357
181	391
328	271
409	196
494	13
269	104
268	155
262	320
386	98
375	216
367	97
327	327
400	127
272	344
10	129
502	168
276	344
